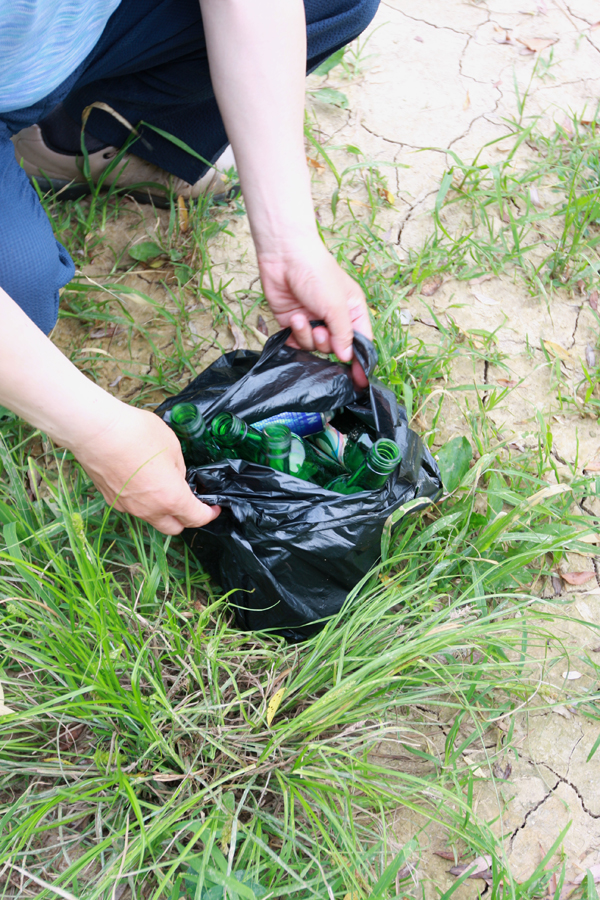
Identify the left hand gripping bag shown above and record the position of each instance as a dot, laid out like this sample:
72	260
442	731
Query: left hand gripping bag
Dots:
291	551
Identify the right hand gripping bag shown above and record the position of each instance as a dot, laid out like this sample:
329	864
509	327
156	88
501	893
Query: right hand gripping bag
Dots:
289	550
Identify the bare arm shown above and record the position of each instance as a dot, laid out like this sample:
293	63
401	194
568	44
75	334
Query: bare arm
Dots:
133	458
257	55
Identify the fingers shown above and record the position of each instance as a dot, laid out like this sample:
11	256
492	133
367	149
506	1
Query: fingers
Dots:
321	339
359	314
340	331
303	333
173	525
166	525
358	375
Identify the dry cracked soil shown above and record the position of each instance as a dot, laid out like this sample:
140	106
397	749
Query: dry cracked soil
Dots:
439	76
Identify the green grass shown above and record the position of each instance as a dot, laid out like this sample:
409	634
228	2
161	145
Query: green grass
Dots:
140	751
153	750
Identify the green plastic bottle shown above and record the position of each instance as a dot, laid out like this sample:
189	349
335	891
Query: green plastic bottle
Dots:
277	445
197	444
381	460
238	440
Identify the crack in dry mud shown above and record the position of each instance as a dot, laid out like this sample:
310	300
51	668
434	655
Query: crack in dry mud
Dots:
529	813
425	22
579	308
419	199
574	788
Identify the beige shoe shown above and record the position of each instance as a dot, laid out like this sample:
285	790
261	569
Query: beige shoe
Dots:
63	172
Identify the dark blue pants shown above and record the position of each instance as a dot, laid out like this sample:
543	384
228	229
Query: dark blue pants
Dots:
150	64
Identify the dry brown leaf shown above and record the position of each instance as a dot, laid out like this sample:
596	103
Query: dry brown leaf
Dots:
573	675
387	195
570	886
483	298
431	285
536	45
260	337
467	102
506	382
480	280
4	710
577	577
239	338
32	484
315	164
592	466
110	331
503	774
503	35
593	299
182	214
262	326
478	868
551	491
96	350
98	104
274	704
70	734
446	854
535	197
557	351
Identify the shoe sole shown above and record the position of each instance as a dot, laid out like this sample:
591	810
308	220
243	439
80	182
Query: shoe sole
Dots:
75	190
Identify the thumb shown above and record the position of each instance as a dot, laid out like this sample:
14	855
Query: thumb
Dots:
192	513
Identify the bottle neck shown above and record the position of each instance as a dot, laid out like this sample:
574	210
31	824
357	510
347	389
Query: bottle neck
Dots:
188	422
229	429
381	460
277	445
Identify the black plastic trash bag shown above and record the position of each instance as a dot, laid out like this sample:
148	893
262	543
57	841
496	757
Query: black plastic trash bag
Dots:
292	550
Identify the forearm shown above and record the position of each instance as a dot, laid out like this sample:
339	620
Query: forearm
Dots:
257	55
40	384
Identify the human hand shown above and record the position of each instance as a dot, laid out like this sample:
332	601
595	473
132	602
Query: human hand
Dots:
135	461
307	283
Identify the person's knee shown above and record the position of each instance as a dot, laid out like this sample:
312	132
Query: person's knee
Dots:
333	23
361	13
32	274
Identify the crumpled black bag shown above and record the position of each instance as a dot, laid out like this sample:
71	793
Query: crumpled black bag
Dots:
290	550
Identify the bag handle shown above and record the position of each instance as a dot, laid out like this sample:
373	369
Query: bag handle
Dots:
364	349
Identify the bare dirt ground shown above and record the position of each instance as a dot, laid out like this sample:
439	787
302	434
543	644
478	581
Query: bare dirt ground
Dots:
441	78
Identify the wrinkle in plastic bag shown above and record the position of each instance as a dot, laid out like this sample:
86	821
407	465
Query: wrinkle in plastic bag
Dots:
290	550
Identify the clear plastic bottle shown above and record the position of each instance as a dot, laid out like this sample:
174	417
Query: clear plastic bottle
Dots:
237	439
381	460
197	444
